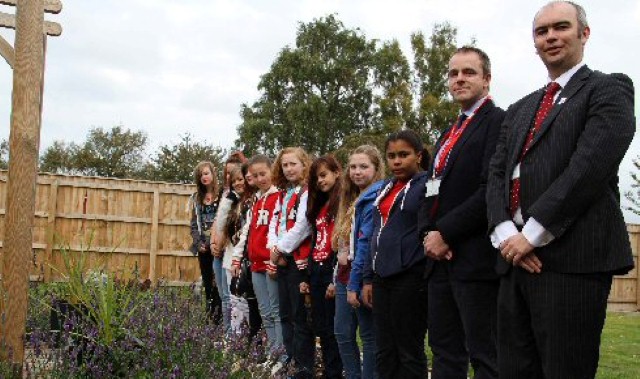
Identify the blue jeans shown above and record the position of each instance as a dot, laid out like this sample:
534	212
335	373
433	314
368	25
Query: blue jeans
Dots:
220	275
266	290
346	323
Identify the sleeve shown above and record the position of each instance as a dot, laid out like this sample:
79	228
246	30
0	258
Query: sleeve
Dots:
606	136
497	206
362	246
238	249
367	275
471	214
272	237
293	237
223	214
502	232
195	234
536	234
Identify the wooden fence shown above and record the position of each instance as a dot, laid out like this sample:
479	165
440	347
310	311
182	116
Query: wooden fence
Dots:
144	226
125	225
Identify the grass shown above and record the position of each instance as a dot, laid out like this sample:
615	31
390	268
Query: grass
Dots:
620	347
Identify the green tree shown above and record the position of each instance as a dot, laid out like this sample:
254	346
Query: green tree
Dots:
4	154
115	153
435	109
175	163
60	158
315	93
634	194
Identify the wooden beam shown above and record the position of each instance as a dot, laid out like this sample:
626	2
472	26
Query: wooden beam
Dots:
6	50
24	140
153	251
50	6
49	28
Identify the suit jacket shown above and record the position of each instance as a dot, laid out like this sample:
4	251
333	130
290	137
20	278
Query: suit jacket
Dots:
461	215
569	177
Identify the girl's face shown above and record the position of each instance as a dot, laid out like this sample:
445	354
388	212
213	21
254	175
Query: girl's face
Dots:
261	176
237	183
206	176
361	170
249	179
402	159
326	178
292	168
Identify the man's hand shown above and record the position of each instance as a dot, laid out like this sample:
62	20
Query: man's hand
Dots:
352	299
518	251
367	295
331	292
304	288
435	247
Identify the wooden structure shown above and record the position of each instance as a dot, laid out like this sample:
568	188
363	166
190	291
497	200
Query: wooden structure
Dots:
625	290
27	62
133	226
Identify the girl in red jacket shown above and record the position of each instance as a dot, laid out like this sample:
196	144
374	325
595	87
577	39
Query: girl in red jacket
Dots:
255	232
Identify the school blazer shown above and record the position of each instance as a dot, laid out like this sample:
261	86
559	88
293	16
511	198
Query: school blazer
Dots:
569	177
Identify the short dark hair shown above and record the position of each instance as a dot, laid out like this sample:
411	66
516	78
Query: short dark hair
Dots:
407	135
484	58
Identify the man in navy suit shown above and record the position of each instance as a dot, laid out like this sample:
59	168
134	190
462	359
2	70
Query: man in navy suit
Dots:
463	284
554	206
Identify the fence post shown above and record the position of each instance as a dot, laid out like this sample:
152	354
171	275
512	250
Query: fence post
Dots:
51	229
153	250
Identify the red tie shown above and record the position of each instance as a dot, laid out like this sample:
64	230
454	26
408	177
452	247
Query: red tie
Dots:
543	111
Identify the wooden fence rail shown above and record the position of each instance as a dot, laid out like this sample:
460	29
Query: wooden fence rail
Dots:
144	226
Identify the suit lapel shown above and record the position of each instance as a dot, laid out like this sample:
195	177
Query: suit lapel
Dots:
575	84
523	125
469	131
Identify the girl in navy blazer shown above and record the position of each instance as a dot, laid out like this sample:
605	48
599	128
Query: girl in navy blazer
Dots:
394	283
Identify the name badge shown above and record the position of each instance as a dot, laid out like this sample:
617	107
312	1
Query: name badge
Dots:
433	187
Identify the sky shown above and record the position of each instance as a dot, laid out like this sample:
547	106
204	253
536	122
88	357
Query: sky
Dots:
185	66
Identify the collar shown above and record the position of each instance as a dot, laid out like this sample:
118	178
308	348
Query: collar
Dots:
476	105
564	78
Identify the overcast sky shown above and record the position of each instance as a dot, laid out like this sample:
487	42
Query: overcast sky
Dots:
185	66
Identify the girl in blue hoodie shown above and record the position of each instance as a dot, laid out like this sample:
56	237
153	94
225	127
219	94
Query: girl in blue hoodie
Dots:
351	237
394	283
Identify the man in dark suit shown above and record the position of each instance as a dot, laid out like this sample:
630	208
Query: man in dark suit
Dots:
553	206
463	284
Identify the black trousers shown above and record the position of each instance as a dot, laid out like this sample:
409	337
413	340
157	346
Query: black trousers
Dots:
212	298
322	313
549	324
297	332
400	319
462	326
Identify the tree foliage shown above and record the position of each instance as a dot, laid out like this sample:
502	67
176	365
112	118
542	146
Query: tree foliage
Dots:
175	163
4	154
634	194
336	87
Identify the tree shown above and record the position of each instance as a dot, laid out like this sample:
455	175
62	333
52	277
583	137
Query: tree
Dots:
60	158
315	94
634	195
175	163
435	109
115	153
4	154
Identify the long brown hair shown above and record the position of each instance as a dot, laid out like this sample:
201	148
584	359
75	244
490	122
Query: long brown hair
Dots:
235	157
317	198
349	192
279	180
197	175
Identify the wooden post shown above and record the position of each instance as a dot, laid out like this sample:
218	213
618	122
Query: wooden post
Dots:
51	229
24	141
153	250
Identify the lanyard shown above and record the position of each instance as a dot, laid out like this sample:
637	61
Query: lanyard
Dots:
450	140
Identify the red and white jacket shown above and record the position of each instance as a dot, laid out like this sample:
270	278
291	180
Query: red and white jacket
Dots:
256	232
296	240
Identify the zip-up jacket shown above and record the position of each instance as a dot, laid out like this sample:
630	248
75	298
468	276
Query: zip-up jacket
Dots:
257	230
296	240
395	244
362	230
198	234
